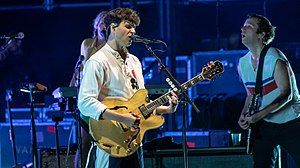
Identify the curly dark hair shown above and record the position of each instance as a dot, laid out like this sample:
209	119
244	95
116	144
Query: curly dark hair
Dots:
118	15
264	25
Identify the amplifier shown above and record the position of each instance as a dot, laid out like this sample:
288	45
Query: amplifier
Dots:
153	74
24	113
225	161
48	159
195	139
45	139
228	82
198	158
154	91
219	138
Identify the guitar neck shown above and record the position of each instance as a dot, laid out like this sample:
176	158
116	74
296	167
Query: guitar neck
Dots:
253	106
148	109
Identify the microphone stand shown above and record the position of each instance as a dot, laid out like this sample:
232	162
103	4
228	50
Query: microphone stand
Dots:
31	88
57	118
9	40
12	132
33	128
79	138
186	99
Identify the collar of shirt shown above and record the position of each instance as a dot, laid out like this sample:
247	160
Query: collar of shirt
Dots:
120	61
114	52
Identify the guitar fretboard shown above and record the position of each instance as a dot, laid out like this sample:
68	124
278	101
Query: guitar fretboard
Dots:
149	108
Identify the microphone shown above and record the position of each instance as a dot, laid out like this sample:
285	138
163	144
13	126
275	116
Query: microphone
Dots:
80	59
20	35
139	39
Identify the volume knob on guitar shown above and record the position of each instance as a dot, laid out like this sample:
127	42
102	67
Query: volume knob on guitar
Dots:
118	149
129	150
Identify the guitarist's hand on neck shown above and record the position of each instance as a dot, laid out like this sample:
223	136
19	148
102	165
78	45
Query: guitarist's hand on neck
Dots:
171	108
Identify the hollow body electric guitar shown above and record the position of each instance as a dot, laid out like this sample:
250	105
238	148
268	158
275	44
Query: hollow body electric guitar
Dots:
116	138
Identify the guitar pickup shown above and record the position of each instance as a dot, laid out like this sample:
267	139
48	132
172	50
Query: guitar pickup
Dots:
143	111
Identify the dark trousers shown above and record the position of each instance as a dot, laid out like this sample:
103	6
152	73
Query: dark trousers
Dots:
135	160
269	136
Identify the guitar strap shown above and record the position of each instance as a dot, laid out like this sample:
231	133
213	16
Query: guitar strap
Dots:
258	83
255	101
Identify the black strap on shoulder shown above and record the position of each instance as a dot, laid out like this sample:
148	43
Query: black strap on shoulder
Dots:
258	83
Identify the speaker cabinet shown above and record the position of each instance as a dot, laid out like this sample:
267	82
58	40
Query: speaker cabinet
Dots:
229	161
199	158
228	82
45	139
48	159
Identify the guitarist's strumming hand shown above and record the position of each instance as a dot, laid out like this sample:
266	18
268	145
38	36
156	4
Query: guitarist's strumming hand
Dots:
244	124
255	117
131	120
245	120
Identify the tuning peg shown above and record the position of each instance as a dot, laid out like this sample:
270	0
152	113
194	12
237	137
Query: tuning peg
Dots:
129	150
210	63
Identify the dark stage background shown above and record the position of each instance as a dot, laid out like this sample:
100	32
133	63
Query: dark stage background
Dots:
196	32
52	37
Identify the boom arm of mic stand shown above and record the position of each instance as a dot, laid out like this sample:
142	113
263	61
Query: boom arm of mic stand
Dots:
170	76
6	44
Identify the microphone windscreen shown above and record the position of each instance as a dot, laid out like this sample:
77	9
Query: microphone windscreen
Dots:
81	57
20	35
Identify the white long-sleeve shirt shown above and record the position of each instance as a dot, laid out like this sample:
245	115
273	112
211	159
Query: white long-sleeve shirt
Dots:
106	74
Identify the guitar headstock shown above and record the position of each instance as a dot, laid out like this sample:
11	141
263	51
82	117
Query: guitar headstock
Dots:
212	69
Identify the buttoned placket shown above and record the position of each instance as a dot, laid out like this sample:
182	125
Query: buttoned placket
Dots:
122	64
